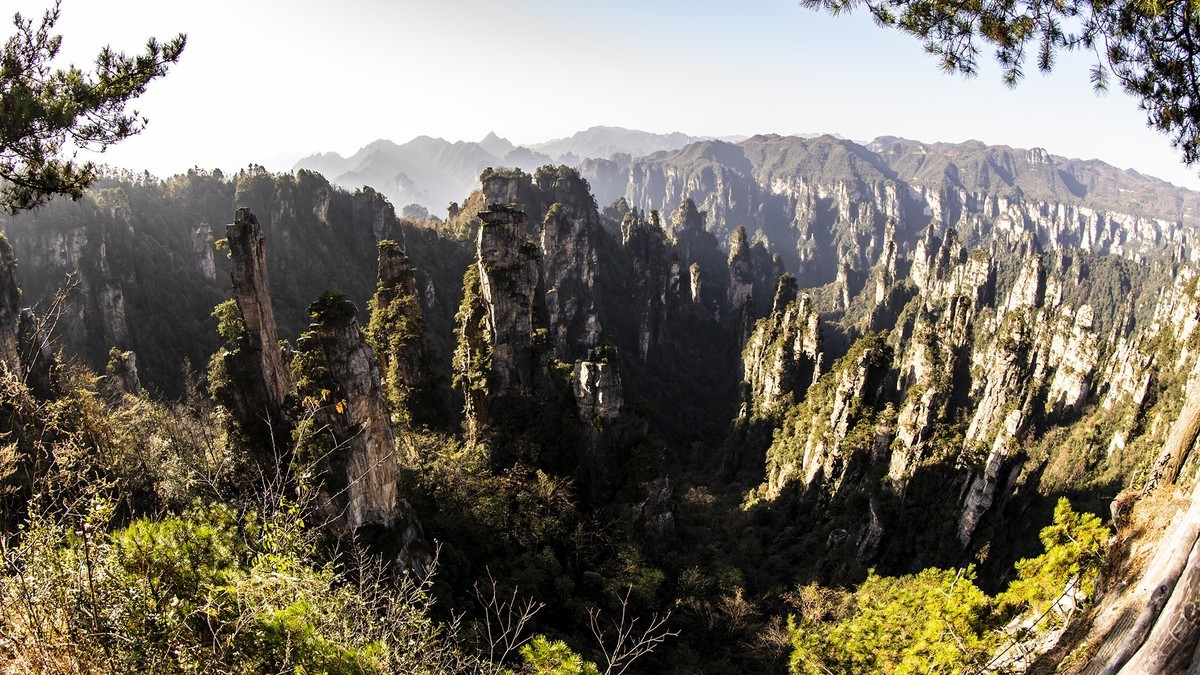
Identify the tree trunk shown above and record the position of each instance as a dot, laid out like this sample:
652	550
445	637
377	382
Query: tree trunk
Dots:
1170	645
1183	434
1166	632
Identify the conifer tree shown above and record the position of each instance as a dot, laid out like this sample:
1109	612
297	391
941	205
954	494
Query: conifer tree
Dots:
46	111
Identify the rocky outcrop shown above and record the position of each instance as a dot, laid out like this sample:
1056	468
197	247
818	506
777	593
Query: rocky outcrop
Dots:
937	344
783	356
38	361
259	382
652	515
597	386
473	356
833	432
820	201
741	271
510	278
658	277
753	275
396	333
357	465
202	248
570	239
122	373
24	346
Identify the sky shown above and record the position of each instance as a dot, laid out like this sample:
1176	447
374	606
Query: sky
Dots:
270	81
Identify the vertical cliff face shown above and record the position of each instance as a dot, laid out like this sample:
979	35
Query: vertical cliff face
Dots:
826	441
24	347
699	251
38	361
570	240
597	387
509	281
513	188
10	308
825	202
753	275
715	176
658	283
342	429
1011	372
341	384
259	382
106	308
203	249
75	256
122	373
473	356
782	357
396	333
741	271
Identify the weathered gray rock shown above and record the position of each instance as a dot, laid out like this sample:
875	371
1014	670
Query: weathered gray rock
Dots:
397	326
652	514
741	271
122	373
509	277
782	357
359	467
597	387
860	382
261	393
39	364
203	249
659	276
570	236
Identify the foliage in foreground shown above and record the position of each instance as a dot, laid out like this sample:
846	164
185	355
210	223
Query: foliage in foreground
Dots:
939	621
934	621
207	591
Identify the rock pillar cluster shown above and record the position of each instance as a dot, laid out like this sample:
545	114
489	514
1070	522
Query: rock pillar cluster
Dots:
509	278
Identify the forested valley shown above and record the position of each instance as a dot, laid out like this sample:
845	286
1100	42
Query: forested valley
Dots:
782	405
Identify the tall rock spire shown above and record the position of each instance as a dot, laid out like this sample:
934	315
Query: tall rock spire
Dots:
509	277
258	379
356	448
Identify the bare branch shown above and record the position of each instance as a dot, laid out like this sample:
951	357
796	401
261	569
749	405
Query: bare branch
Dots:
622	643
504	619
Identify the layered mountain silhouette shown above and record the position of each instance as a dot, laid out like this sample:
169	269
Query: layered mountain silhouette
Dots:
628	163
433	171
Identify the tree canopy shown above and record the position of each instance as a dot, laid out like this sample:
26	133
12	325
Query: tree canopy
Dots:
45	110
1149	46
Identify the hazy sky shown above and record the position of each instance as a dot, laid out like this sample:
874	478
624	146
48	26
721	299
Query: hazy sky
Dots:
268	81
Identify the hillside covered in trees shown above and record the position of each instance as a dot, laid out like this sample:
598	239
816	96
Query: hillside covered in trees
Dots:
782	405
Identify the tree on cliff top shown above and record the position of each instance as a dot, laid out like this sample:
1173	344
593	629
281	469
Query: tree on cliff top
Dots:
45	109
1150	46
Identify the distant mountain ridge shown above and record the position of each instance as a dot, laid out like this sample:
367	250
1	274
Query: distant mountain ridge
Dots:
824	204
434	172
604	142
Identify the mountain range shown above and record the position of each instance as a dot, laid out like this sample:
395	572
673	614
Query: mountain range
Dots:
433	172
639	166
